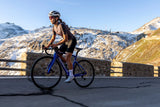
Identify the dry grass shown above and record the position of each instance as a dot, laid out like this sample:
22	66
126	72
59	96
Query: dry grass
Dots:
145	51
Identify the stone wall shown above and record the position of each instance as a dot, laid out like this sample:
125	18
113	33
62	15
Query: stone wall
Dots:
137	70
102	67
159	71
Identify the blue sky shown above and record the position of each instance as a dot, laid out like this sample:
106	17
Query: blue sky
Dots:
117	15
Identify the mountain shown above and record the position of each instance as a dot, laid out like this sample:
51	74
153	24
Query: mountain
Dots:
152	25
145	51
8	30
96	43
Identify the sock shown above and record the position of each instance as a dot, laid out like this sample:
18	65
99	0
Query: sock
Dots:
71	72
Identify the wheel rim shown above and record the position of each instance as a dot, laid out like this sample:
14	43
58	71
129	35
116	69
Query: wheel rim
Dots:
41	78
86	80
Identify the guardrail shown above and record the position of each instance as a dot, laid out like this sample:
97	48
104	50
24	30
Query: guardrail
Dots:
127	69
6	68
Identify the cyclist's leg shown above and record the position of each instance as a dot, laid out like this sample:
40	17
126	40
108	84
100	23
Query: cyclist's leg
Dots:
71	45
62	58
70	66
63	48
68	60
70	48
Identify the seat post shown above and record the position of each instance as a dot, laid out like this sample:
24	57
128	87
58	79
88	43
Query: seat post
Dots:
78	49
77	53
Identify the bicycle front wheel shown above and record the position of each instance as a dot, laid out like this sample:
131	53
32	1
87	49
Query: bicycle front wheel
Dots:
40	75
84	73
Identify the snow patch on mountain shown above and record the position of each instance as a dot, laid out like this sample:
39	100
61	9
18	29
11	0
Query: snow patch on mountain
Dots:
95	43
8	30
152	25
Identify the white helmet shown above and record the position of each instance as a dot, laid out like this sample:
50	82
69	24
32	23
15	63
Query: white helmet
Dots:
54	13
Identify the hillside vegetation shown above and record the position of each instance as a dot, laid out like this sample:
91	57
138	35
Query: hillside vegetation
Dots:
146	51
156	33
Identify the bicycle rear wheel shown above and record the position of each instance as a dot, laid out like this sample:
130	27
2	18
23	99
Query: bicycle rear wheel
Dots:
84	73
40	76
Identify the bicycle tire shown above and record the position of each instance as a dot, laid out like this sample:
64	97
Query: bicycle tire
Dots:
39	74
86	80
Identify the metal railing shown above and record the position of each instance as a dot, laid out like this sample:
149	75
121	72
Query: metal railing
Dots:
7	68
112	71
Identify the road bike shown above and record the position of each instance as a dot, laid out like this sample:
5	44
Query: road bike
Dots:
46	71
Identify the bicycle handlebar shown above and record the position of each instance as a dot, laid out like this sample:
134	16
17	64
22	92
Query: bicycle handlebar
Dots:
56	50
50	48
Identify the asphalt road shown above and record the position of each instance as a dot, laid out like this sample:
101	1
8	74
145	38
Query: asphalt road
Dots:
104	92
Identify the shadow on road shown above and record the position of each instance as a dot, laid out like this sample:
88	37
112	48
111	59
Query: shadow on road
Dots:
99	85
43	92
119	87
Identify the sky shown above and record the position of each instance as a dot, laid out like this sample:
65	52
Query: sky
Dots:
114	15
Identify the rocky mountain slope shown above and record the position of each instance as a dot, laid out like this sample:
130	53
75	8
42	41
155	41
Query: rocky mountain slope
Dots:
8	30
96	43
146	51
150	26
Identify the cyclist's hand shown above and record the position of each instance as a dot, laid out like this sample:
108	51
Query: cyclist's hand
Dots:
44	47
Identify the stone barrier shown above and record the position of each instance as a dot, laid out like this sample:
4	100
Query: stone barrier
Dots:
137	70
158	71
102	67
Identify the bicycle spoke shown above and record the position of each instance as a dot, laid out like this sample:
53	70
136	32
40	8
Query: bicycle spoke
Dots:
84	73
40	75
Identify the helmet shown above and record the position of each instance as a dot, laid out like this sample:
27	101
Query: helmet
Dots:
54	13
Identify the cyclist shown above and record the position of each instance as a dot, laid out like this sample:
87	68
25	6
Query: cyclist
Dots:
68	42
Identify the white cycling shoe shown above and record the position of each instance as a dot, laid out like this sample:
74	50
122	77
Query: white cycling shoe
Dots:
69	79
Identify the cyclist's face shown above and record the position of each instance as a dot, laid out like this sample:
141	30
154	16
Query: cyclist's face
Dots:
53	19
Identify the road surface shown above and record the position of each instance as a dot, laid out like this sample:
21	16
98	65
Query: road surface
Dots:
104	92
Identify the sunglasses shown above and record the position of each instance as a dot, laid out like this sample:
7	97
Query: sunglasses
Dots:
51	17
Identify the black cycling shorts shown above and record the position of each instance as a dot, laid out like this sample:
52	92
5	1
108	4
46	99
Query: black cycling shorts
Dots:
69	45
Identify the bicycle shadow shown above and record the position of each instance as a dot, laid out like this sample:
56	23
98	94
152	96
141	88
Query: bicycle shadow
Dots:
41	93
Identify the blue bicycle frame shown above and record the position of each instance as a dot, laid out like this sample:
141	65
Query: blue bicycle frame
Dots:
55	57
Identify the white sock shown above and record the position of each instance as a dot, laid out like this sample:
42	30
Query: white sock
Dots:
71	72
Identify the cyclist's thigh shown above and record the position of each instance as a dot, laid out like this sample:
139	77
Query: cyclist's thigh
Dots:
71	45
63	47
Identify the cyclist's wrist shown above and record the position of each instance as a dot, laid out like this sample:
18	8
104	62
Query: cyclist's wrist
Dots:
48	46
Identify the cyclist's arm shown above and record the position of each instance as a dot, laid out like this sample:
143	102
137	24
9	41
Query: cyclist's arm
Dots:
52	39
65	35
65	38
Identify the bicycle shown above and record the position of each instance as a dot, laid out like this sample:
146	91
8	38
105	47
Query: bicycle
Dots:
46	71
